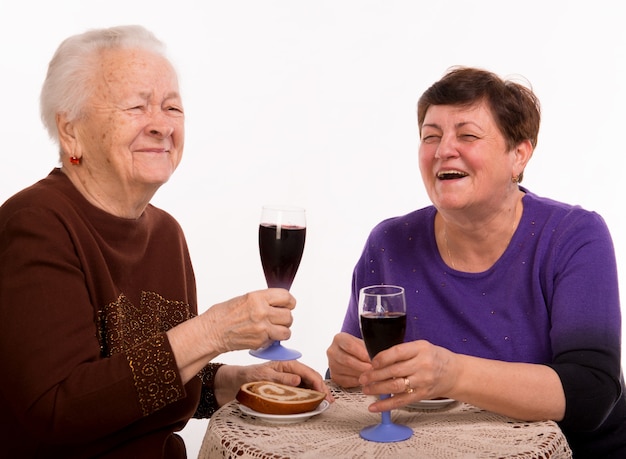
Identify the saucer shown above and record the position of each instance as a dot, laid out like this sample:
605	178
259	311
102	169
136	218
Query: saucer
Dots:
435	404
286	418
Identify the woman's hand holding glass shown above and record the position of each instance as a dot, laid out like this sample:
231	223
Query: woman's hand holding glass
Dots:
250	321
347	360
413	371
244	322
423	363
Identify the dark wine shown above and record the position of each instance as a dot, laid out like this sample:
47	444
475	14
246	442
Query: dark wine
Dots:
281	253
382	331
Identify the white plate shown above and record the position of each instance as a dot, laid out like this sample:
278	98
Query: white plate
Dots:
436	404
286	418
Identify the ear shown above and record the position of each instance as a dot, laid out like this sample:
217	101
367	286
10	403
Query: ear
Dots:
67	136
523	153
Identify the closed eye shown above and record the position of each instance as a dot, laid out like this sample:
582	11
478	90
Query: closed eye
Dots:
430	138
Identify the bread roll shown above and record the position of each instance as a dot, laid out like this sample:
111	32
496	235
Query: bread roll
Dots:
273	398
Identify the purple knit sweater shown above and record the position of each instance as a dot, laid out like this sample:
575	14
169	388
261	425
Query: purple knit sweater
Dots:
552	298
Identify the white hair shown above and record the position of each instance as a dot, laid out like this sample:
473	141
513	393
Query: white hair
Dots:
67	84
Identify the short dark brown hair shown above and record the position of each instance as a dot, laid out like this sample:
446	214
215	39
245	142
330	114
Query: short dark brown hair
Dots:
515	107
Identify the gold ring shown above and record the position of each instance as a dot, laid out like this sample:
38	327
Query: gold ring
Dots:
407	384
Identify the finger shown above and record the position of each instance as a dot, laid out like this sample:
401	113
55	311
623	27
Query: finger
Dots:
349	351
389	404
309	378
289	379
358	352
284	373
315	381
280	298
280	316
394	354
346	366
279	332
387	380
351	344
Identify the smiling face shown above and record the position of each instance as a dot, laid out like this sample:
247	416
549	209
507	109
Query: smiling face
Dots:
464	160
131	132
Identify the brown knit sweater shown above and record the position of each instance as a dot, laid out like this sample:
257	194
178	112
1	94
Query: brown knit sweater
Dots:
85	299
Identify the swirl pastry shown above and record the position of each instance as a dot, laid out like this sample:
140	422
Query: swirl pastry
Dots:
273	398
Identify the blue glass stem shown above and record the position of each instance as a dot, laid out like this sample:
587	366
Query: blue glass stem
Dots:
386	415
386	431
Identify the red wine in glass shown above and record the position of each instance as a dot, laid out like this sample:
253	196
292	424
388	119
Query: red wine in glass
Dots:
281	254
282	233
382	330
382	313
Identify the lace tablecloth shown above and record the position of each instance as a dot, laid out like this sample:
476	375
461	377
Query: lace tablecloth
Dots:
453	432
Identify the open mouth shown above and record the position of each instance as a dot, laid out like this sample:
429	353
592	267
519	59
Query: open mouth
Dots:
451	175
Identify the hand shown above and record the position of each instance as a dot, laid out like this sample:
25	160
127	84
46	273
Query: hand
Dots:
515	389
289	372
250	321
347	360
229	378
428	369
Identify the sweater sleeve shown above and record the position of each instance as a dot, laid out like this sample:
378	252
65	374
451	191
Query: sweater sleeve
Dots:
591	390
586	323
208	403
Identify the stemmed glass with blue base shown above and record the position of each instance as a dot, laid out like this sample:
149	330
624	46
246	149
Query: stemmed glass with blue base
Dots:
282	233
382	313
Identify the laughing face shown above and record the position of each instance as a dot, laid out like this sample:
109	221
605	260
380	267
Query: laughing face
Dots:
464	160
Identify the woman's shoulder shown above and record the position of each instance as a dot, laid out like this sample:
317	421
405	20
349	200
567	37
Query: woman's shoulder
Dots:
549	206
47	193
561	216
413	228
407	221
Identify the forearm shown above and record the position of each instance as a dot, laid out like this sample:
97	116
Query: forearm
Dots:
519	390
192	348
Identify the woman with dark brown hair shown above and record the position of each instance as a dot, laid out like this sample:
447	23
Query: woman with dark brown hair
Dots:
512	298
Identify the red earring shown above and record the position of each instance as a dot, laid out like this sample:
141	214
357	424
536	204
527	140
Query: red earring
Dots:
74	160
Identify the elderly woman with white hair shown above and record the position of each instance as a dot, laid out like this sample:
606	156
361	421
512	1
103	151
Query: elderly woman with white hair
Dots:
102	350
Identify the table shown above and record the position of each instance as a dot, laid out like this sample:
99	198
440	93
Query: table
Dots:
456	431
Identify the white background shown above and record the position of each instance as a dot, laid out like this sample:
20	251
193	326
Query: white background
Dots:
312	103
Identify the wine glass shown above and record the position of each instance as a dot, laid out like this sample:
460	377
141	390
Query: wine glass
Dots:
282	232
382	312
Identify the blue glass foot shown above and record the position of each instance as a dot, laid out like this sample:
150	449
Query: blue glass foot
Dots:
386	433
276	351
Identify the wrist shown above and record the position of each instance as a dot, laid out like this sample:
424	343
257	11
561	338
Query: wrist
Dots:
228	380
212	341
